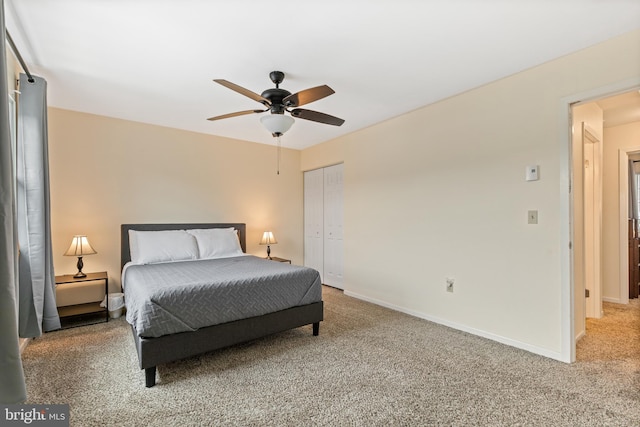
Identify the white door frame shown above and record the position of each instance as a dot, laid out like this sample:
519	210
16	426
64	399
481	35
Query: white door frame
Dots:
568	345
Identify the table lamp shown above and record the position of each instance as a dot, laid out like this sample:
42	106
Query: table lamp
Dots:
268	239
80	247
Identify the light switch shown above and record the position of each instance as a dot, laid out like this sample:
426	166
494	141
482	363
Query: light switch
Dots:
532	217
532	173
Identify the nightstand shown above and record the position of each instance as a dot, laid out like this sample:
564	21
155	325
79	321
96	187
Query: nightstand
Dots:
81	296
275	258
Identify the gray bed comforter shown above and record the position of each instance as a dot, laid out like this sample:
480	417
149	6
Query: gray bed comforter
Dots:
185	296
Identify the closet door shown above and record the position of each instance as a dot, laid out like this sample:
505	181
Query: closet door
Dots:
333	226
314	220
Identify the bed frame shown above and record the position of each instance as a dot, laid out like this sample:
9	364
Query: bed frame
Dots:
168	348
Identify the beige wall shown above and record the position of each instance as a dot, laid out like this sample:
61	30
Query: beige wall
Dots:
322	155
106	172
616	138
445	187
10	67
13	70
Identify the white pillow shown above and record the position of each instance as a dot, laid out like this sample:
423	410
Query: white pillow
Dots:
217	242
149	247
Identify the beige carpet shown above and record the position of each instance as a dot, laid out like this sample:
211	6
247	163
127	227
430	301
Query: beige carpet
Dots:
616	336
369	367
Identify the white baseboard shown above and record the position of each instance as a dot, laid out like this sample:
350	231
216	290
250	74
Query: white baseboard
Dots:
613	300
503	340
24	342
580	335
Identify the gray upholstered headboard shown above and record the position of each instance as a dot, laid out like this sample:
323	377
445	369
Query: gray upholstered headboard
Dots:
125	253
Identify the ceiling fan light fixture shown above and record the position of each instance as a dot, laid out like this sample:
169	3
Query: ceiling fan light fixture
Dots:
277	124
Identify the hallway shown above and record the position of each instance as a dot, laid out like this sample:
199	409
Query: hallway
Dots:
614	337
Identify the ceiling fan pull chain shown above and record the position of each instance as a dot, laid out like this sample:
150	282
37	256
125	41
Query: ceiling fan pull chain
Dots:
278	153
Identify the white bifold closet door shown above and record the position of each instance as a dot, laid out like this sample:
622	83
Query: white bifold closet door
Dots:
324	219
314	220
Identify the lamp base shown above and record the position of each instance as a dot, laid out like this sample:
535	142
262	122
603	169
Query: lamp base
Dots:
79	274
268	252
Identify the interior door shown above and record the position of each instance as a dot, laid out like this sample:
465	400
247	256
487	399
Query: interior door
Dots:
592	187
333	226
314	220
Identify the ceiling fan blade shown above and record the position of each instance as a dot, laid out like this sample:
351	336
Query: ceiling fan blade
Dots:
315	116
307	96
239	113
243	91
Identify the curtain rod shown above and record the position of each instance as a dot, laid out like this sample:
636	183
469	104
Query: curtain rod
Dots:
17	52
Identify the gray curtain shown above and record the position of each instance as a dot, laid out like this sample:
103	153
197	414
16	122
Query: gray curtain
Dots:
12	386
37	303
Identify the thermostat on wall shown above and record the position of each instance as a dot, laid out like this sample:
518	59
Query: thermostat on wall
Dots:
532	173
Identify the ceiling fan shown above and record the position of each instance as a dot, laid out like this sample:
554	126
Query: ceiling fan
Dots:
278	101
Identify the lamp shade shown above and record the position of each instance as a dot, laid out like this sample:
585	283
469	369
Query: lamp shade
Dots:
80	247
277	124
268	238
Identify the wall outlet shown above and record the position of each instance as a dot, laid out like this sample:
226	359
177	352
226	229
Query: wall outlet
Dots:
450	284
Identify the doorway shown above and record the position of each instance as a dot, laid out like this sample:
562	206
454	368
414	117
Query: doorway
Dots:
587	148
602	141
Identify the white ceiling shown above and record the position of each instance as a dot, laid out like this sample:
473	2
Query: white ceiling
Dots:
153	61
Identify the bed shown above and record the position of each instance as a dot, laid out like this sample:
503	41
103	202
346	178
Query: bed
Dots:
176	307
